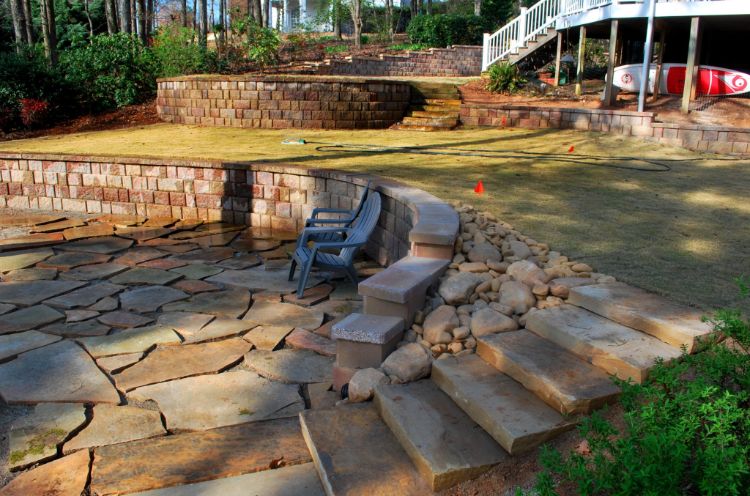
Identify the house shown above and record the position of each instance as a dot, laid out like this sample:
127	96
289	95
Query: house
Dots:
689	32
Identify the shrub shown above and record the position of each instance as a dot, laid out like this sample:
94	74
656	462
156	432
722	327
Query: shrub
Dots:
113	71
262	45
176	51
33	112
446	29
687	429
504	78
336	48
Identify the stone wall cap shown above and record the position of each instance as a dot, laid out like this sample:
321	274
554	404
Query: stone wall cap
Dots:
278	78
376	329
403	280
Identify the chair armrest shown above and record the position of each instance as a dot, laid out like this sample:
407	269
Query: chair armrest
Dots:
311	222
304	237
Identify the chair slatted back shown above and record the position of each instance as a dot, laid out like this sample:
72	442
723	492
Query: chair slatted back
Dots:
363	226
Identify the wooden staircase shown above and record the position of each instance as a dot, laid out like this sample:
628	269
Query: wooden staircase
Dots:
433	107
521	389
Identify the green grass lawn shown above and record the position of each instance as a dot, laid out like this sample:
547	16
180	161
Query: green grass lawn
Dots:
682	232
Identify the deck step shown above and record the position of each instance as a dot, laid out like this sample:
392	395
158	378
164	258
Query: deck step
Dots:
614	348
512	415
560	379
355	453
633	307
443	442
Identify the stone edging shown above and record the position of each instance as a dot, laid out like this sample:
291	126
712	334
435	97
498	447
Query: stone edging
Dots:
641	124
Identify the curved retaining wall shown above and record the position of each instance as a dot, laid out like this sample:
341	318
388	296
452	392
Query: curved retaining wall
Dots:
279	197
282	101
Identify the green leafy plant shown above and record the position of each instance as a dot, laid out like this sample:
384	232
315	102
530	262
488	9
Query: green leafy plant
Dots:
442	30
686	430
504	78
177	52
336	49
262	45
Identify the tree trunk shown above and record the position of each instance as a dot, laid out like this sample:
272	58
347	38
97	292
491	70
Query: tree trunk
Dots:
413	8
19	23
184	14
124	15
389	18
203	26
133	17
142	32
195	15
429	7
111	13
477	7
29	21
47	11
222	25
266	21
336	18
258	11
150	17
355	7
88	18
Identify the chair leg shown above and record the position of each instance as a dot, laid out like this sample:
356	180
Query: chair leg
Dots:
291	270
303	275
351	272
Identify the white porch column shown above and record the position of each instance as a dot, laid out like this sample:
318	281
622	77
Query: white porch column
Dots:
647	56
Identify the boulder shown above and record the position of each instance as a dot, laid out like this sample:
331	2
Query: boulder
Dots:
363	383
527	273
473	267
517	295
488	321
520	249
483	252
408	363
439	324
457	288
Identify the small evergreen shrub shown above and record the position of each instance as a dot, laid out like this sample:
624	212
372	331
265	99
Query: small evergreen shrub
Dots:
262	45
504	78
176	52
442	30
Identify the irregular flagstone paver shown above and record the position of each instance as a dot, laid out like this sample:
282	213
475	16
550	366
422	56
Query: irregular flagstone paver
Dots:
32	292
105	304
79	315
22	259
24	341
207	255
115	363
60	372
88	231
240	262
321	397
218	227
64	477
197	271
149	298
116	424
58	225
219	328
229	303
28	219
262	279
31	274
263	313
121	220
95	271
267	297
280	253
129	341
197	456
345	291
249	244
31	241
173	247
195	287
160	222
311	297
187	224
85	296
306	340
35	437
325	329
28	318
142	233
175	362
71	260
77	329
162	263
291	366
6	307
339	308
286	481
124	319
106	245
144	275
355	453
135	256
185	323
267	338
222	239
221	399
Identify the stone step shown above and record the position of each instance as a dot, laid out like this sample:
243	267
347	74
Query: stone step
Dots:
633	307
560	379
512	415
410	127
614	348
443	442
432	114
446	123
436	108
355	453
444	102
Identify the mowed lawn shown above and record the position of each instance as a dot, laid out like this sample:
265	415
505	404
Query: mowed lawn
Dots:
679	228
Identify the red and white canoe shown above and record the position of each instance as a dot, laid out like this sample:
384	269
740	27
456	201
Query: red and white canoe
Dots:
712	81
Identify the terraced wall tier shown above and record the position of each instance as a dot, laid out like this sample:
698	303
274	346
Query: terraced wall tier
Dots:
282	101
279	197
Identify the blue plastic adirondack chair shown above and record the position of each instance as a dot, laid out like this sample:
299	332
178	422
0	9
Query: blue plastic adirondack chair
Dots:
351	240
345	219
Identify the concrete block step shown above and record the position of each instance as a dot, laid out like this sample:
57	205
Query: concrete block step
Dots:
614	348
355	453
443	442
433	114
560	379
516	418
633	307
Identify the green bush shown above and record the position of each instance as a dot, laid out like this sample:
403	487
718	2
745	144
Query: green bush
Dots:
113	71
176	52
504	78
446	29
262	45
687	429
408	46
336	48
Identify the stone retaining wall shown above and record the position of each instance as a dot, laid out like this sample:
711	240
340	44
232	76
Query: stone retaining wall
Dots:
641	124
282	101
279	197
456	61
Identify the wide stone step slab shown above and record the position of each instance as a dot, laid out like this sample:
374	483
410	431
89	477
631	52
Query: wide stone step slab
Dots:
614	348
560	379
633	307
356	454
443	442
512	415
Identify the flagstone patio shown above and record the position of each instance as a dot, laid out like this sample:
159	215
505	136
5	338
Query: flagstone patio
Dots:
146	354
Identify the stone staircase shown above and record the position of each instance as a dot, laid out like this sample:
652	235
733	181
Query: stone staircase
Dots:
433	107
520	389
